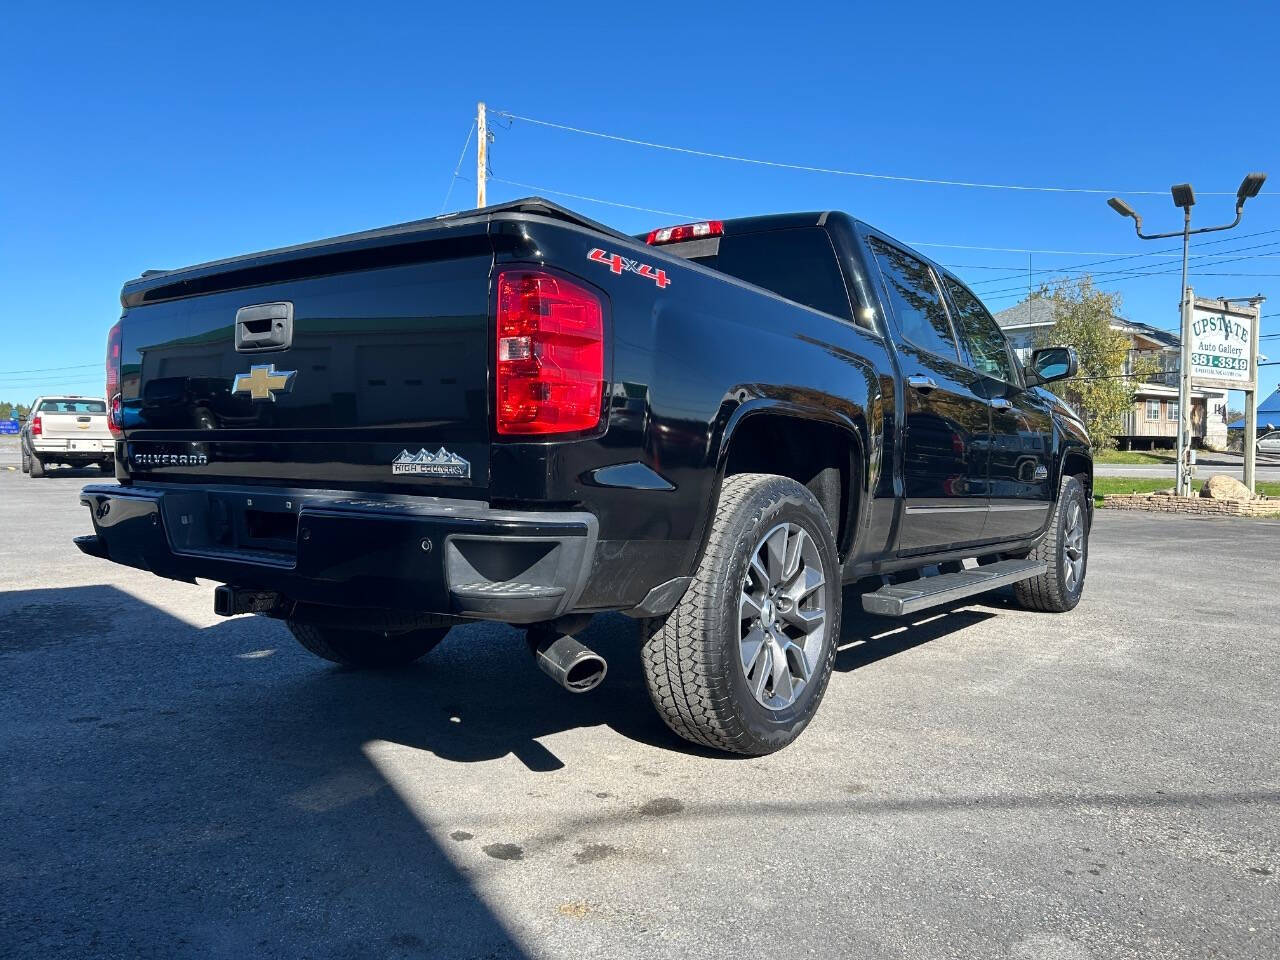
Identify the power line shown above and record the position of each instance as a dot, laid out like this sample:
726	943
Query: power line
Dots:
458	169
78	366
1132	273
579	196
807	168
1154	253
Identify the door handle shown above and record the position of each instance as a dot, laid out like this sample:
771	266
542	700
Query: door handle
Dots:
1000	403
921	382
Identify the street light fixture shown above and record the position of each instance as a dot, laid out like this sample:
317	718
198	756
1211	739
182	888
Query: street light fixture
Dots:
1185	197
1249	187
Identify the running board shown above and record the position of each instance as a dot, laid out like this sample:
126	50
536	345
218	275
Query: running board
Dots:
903	599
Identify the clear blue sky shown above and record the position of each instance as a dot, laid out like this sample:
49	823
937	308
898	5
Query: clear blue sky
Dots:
140	138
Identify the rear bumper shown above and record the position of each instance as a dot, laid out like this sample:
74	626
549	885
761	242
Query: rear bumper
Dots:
421	554
75	449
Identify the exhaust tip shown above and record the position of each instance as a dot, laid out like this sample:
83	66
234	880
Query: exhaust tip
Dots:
566	661
586	674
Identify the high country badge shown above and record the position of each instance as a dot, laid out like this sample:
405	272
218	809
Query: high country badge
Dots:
442	463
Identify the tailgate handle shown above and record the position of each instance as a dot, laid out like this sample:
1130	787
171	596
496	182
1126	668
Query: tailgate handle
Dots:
264	326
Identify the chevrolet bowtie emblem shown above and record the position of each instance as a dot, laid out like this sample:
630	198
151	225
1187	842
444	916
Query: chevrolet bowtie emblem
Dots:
264	381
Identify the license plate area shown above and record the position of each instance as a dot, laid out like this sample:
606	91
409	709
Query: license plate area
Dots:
259	527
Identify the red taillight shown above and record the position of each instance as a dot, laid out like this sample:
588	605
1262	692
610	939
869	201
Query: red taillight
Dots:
686	231
37	428
549	372
114	420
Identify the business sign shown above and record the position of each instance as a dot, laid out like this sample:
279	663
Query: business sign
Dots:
1221	346
10	426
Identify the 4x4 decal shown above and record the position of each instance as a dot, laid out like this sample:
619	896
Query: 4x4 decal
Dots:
618	263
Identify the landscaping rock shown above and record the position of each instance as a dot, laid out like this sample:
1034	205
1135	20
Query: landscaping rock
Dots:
1221	487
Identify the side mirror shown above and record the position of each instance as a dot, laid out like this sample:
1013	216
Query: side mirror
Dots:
1052	363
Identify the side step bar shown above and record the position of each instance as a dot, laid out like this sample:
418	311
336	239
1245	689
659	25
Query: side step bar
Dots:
903	599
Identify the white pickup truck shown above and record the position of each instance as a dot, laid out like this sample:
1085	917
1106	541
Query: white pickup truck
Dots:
71	430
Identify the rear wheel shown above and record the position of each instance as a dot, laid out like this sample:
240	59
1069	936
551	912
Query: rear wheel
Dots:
367	648
26	462
1065	548
37	468
742	662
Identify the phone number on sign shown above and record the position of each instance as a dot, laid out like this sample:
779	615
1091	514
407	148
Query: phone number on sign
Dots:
1219	363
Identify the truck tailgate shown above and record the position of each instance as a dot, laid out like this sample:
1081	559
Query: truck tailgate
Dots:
380	379
74	426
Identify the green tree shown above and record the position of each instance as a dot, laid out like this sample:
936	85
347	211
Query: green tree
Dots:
6	410
1103	391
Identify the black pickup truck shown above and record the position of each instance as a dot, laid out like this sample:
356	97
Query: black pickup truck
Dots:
519	414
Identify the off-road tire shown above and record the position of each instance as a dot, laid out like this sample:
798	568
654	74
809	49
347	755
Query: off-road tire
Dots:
691	659
37	468
367	648
26	462
1049	591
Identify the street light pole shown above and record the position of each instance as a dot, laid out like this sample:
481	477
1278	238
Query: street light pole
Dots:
1183	474
1184	197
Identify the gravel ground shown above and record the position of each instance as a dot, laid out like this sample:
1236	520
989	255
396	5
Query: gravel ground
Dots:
984	782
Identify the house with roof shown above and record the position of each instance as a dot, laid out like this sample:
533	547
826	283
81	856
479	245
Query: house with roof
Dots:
1152	420
1268	415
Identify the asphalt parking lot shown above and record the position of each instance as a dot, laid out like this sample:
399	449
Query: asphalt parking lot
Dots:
983	783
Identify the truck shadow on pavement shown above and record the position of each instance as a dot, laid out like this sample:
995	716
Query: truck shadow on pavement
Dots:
173	791
867	638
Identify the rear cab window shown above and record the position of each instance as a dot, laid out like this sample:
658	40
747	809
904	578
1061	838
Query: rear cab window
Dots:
73	406
796	263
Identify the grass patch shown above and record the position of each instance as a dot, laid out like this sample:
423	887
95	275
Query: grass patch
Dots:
1105	485
1133	456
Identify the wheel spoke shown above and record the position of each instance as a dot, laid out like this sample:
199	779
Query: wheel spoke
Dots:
761	574
776	555
763	672
799	662
748	606
752	646
782	689
806	621
808	581
794	546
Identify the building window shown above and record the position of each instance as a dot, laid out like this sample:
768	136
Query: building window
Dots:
1153	410
1173	409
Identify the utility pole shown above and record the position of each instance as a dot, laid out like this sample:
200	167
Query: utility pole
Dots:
1185	197
482	153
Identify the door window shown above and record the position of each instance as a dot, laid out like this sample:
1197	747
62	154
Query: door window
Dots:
916	300
980	335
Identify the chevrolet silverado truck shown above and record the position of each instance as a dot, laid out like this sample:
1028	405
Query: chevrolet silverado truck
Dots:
518	414
70	430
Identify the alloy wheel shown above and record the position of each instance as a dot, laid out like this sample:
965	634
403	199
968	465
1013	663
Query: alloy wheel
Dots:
1073	547
783	615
